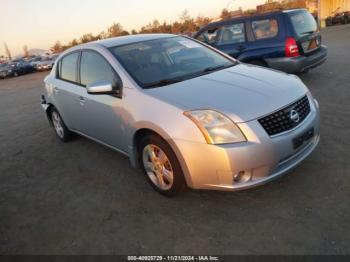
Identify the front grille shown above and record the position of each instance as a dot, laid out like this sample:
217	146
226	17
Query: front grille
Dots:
281	121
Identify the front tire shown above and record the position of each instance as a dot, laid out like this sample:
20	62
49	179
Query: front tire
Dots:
161	166
61	129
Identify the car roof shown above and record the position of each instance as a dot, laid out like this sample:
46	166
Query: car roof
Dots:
129	39
255	16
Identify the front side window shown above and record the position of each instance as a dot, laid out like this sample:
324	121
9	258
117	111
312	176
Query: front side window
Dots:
209	36
232	34
167	60
94	68
263	29
67	69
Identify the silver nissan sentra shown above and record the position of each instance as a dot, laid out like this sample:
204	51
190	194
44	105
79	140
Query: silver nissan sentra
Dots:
187	114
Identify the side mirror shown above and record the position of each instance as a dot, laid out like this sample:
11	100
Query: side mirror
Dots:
102	88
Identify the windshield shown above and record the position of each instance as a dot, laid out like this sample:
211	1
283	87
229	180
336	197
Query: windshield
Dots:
303	23
168	60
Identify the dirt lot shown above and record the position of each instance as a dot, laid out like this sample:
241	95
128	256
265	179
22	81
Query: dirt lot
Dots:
82	198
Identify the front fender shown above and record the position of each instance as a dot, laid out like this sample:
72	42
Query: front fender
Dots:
133	153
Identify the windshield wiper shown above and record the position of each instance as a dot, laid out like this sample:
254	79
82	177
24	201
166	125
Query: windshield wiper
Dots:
164	82
308	32
216	68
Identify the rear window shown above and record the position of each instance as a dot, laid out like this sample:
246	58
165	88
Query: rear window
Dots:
68	67
266	28
303	23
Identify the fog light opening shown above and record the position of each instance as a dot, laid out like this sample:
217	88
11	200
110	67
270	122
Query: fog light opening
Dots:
241	176
238	177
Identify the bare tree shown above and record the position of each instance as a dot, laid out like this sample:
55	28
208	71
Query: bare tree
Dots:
225	14
202	21
88	38
7	50
25	51
185	16
74	42
116	30
57	47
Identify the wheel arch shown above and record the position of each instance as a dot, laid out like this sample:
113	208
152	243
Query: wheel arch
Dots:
155	130
48	112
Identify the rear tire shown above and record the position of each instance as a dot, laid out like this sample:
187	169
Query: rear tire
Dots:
161	166
60	127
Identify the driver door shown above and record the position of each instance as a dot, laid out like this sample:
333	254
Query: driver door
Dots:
102	117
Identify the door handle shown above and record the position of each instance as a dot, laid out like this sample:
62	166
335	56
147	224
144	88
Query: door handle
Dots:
56	90
82	100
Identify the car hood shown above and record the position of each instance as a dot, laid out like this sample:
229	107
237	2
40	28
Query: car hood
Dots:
243	92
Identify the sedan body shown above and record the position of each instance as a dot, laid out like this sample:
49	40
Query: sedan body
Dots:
45	65
187	114
5	71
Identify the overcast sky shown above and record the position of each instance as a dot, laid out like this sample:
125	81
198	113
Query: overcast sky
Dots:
39	23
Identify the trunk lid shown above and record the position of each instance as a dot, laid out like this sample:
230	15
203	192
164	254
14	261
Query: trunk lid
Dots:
307	33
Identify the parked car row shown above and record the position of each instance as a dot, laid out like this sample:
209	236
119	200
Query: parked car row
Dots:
19	67
15	69
338	18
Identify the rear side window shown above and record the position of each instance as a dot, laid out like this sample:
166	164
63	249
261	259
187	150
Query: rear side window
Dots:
232	34
67	69
303	23
94	68
264	29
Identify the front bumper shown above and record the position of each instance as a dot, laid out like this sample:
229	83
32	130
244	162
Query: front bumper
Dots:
4	74
294	65
262	158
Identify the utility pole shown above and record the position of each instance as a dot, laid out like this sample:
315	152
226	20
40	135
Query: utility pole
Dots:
7	50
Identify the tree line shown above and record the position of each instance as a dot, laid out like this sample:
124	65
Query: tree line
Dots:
185	24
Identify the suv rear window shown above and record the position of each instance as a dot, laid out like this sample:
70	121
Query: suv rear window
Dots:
267	28
303	23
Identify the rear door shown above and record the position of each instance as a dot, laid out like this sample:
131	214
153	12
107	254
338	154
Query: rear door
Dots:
306	31
267	37
67	92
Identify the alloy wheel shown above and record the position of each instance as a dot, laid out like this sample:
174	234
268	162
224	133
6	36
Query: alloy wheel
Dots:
158	167
57	123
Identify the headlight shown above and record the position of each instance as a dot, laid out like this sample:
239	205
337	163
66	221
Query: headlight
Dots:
216	128
9	71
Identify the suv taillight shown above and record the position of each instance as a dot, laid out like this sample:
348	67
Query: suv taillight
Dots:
292	49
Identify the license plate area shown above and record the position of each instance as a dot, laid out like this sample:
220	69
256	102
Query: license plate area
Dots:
311	44
303	138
